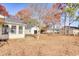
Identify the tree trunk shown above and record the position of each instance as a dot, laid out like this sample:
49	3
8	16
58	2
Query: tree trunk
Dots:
64	23
53	28
69	27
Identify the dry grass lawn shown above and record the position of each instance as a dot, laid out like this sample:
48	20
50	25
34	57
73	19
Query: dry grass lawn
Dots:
47	45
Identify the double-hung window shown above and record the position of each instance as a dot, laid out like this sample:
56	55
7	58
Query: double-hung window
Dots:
20	29
5	29
13	29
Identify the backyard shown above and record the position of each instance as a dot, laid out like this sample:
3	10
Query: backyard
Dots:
48	44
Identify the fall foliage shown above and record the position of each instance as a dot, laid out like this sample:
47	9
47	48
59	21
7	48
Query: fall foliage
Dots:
3	11
24	14
57	17
54	13
48	18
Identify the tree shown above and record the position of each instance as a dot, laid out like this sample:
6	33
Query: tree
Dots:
38	11
54	14
70	12
32	22
24	14
3	11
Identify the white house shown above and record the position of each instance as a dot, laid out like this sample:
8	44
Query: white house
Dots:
70	30
53	29
76	32
32	30
12	28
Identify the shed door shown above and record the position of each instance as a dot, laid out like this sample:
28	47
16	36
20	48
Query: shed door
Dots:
35	31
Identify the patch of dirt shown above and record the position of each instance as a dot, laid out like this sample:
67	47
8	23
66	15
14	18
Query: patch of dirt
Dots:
46	45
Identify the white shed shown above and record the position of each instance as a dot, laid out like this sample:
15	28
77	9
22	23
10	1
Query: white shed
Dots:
35	30
32	30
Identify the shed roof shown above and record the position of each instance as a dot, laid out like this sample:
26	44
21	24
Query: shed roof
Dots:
71	27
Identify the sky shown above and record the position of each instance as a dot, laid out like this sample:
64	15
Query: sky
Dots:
13	8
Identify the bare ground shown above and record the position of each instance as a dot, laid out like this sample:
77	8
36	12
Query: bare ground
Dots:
47	45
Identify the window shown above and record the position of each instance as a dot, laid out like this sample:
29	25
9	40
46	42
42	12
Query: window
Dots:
5	29
20	29
13	29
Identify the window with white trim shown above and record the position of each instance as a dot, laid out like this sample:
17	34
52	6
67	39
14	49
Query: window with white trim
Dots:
13	29
20	29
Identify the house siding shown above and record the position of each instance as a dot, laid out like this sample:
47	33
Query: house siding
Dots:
3	36
16	35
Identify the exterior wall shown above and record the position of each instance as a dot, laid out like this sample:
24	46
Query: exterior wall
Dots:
16	35
72	31
75	32
28	31
3	36
0	29
49	31
66	31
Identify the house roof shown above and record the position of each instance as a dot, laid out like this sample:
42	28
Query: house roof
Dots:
74	27
14	20
71	27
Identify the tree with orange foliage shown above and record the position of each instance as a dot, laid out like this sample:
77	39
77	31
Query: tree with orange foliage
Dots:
57	17
54	14
48	18
24	15
3	11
